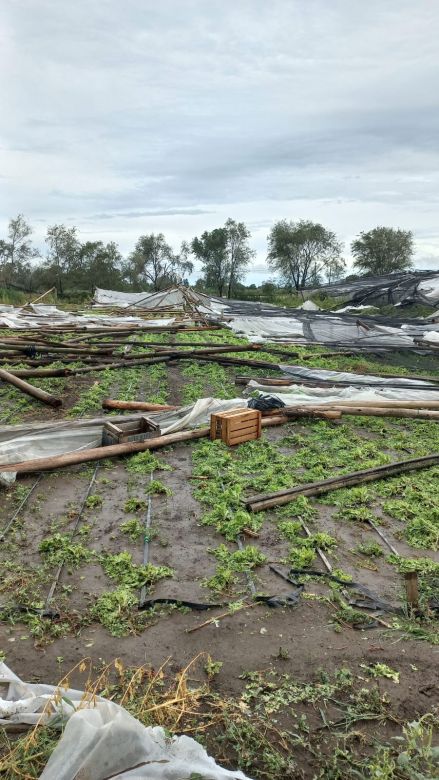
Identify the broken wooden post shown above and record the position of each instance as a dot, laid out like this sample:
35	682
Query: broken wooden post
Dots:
412	590
25	387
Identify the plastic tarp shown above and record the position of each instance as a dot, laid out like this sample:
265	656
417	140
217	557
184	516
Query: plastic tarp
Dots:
403	287
50	316
41	440
179	297
298	395
194	415
101	739
324	375
328	328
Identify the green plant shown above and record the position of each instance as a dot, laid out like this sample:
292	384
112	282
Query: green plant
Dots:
134	505
93	502
133	528
212	667
114	610
371	549
59	549
381	670
155	487
120	567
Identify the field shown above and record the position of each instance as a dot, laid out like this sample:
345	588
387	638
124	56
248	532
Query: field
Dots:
309	686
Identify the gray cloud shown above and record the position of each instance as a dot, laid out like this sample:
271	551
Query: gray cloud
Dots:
138	116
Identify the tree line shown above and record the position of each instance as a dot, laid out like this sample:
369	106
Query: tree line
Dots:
301	254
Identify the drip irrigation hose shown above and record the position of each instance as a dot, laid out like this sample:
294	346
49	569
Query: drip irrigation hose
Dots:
147	526
17	511
72	535
250	583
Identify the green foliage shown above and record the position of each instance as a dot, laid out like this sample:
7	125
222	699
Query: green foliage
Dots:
93	502
156	487
381	670
59	549
144	463
383	250
114	610
120	567
133	528
134	505
371	549
230	563
302	251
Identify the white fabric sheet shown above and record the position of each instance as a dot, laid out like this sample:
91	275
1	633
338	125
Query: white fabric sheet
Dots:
101	739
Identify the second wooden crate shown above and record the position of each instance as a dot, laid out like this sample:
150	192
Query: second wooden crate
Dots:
236	426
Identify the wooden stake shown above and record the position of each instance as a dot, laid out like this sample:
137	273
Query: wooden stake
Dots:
412	590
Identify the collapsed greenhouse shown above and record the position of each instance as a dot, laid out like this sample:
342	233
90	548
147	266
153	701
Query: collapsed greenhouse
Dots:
219	533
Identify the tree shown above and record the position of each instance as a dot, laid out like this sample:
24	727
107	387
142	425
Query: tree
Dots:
98	264
224	254
301	251
238	251
153	263
16	253
335	269
211	250
383	251
63	254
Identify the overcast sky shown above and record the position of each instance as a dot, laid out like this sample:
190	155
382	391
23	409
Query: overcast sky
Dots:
129	117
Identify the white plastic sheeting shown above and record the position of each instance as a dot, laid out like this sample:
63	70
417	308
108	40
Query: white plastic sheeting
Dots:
101	739
321	374
429	289
331	329
178	297
268	328
298	395
51	317
41	440
194	415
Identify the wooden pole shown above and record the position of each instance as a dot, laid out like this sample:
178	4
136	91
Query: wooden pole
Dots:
40	298
412	590
112	403
25	387
268	500
44	372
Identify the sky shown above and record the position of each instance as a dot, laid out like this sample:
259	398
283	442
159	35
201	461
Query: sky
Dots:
137	117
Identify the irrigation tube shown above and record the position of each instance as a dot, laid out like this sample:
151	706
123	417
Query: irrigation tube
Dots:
72	535
147	526
17	511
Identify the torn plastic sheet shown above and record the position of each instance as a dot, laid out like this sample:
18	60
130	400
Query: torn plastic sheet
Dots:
321	329
298	395
40	440
51	317
101	739
324	375
178	297
194	415
260	324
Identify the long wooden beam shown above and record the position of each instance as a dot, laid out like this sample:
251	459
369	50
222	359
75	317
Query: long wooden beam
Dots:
264	501
25	387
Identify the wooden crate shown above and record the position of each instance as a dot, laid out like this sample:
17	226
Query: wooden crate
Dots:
236	426
135	430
